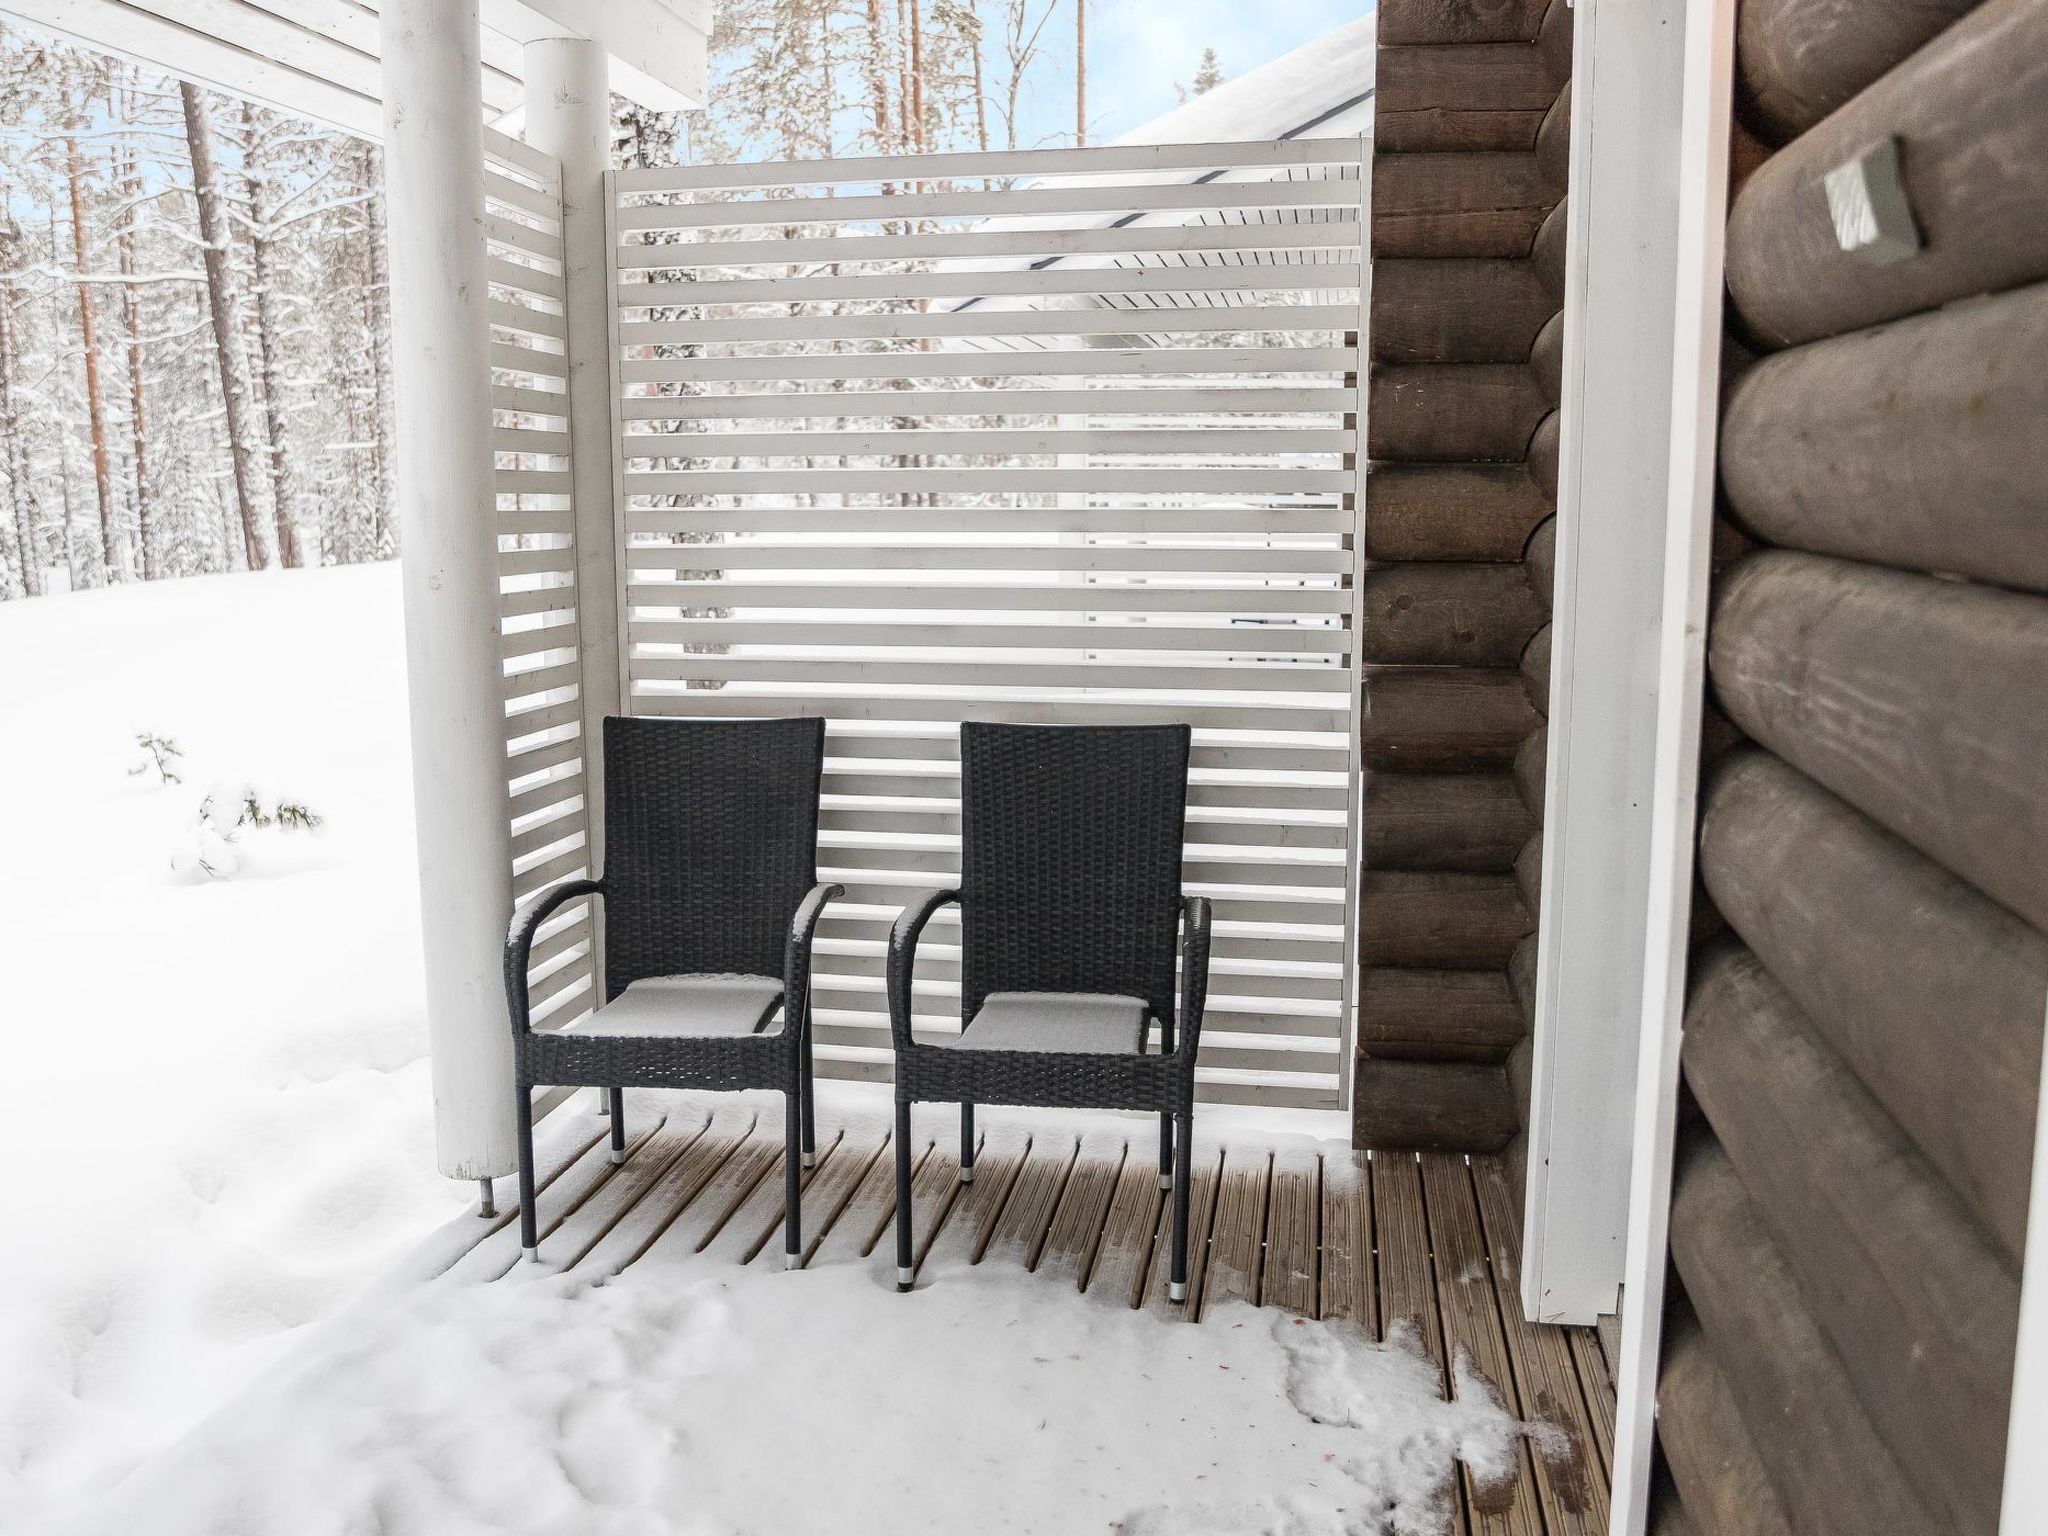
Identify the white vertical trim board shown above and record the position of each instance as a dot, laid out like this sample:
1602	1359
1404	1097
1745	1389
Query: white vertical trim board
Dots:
541	614
1616	406
1705	105
885	493
2026	1468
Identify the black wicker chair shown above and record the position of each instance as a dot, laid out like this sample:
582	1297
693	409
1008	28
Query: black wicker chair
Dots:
1070	903
711	899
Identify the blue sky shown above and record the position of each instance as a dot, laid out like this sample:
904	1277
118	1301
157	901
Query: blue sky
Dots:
1138	49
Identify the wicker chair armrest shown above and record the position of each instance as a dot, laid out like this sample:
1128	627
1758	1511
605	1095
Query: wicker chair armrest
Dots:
796	959
1194	974
519	943
903	958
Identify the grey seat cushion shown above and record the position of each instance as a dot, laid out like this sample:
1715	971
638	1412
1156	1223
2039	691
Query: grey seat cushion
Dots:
1093	1022
688	1006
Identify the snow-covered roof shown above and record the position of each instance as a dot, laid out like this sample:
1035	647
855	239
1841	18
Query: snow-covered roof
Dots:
1321	89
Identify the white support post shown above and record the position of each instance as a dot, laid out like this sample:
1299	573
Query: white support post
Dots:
2026	1469
1616	402
1705	102
568	115
433	167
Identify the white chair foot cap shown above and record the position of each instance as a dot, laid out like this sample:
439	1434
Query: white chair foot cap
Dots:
1166	1181
1176	1290
810	1159
905	1278
967	1174
532	1255
792	1260
618	1154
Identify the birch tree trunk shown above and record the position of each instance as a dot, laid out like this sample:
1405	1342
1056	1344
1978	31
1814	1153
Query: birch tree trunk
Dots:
147	553
284	499
102	478
1080	71
21	494
387	531
225	304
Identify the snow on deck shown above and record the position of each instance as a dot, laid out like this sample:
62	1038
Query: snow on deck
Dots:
659	1371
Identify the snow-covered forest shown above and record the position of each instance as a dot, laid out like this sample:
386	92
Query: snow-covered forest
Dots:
194	356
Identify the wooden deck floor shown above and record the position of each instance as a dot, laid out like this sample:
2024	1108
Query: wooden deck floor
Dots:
1427	1243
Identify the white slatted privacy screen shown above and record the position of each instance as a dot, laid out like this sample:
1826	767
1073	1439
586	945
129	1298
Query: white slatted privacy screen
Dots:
537	562
1056	436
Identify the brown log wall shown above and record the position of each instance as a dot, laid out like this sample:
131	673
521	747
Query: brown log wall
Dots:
1864	1030
1469	160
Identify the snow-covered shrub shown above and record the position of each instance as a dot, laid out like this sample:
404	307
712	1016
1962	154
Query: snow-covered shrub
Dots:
211	849
159	753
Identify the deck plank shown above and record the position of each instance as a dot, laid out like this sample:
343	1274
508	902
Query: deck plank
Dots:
759	1216
1472	1329
972	1221
1205	1171
494	1257
1570	1483
670	1194
1288	1280
1076	1226
1348	1289
934	1191
604	1210
728	1189
1020	1232
1118	1273
865	1221
1598	1387
1238	1232
1401	1242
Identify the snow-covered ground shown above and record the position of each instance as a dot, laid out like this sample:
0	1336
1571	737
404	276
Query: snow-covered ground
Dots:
218	1124
219	1134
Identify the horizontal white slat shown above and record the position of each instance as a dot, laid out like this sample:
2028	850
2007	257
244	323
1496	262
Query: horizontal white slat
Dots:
1023	442
1283	521
521	400
1220	826
521	157
654	697
515	236
970	675
1066	597
524	279
836	404
985	558
937	744
1332	230
1326	642
527	320
1097	160
528	361
515	193
1237	480
1019	202
990	322
529	440
1024	282
1132	362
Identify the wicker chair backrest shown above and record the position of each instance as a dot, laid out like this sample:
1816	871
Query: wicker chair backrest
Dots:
1070	860
711	841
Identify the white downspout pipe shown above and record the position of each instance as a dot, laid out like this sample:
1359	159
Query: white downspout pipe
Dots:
433	170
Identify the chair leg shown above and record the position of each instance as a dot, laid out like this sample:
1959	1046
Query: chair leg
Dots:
809	1084
615	1102
904	1274
1166	1151
1177	1282
792	1181
967	1141
522	1114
